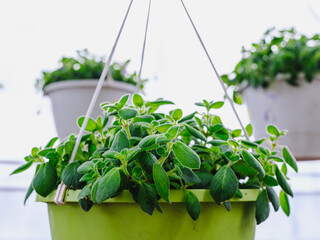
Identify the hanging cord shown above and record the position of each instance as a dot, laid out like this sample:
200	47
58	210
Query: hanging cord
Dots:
143	48
59	197
217	74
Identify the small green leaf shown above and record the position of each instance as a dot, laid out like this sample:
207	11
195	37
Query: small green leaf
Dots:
188	117
273	198
186	156
22	168
51	142
108	185
249	129
45	180
237	98
249	144
224	185
177	114
243	168
85	204
262	207
236	133
189	176
252	161
172	132
194	132
283	182
91	125
273	130
29	191
289	158
193	206
137	100
128	113
146	161
122	102
85	167
163	128
284	202
217	105
161	181
120	142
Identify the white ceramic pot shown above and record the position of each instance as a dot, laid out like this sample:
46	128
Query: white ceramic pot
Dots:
296	109
71	99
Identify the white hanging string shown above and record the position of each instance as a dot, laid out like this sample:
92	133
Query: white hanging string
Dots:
217	74
143	48
59	197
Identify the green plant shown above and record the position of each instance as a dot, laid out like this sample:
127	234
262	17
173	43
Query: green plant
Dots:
150	153
86	66
278	52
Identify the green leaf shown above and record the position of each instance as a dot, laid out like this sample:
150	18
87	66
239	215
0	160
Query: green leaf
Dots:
193	206
252	161
284	202
249	144
194	132
162	128
283	182
273	198
122	102
51	142
177	114
108	185
137	100
85	167
249	129
289	158
205	180
172	132
188	117
262	207
91	125
29	191
189	176
45	179
161	181
148	141
85	204
270	181
128	113
146	161
147	198
237	98
217	105
243	168
236	133
120	142
273	130
224	185
22	168
71	177
186	156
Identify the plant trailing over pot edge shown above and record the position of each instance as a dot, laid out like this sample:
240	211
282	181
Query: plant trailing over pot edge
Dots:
286	53
150	153
87	66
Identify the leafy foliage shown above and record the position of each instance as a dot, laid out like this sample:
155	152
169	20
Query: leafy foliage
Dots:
283	52
151	153
86	66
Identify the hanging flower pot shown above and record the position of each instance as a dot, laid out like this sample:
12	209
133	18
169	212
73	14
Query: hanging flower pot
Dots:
121	218
72	86
280	84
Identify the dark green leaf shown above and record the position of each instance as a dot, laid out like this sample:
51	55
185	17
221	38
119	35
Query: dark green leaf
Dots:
283	182
85	167
186	156
85	204
262	207
205	180
243	168
146	161
161	181
224	185
252	161
193	206
147	198
71	177
148	141
194	132
273	198
45	179
189	176
289	158
188	117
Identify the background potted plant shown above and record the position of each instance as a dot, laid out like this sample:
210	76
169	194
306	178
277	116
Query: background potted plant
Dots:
168	162
279	80
71	86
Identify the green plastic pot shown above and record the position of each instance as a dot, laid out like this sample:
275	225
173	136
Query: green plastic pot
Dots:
120	218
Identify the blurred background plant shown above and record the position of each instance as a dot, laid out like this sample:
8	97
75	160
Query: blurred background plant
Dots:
87	66
285	52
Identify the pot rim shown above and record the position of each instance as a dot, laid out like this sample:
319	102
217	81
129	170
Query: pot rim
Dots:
176	196
87	83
